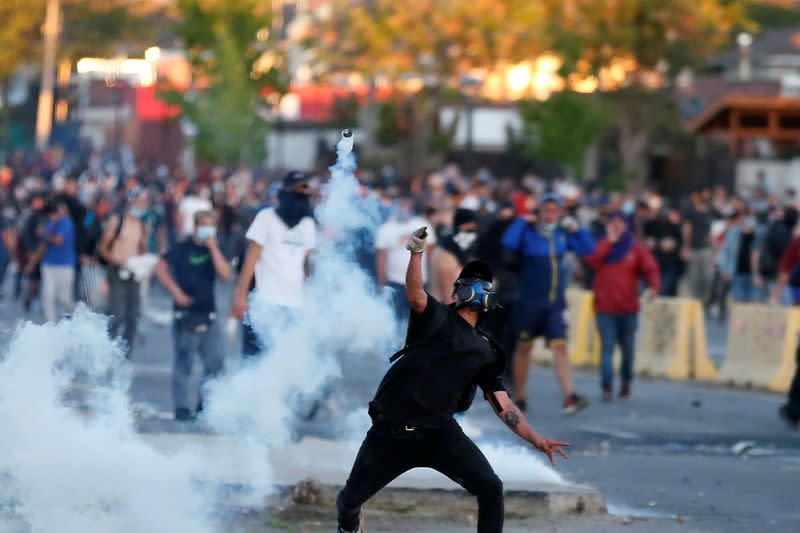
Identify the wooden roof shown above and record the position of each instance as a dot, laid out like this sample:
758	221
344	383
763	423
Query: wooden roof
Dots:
714	118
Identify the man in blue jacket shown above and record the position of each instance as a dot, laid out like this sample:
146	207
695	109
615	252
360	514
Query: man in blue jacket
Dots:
538	244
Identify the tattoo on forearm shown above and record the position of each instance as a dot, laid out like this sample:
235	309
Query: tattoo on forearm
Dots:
511	419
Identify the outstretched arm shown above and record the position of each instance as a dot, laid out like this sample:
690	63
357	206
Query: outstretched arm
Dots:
515	420
415	290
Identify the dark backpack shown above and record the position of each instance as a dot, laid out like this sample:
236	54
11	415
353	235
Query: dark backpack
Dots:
468	394
117	232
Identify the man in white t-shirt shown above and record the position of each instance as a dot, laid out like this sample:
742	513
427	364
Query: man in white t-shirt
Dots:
392	255
280	241
194	202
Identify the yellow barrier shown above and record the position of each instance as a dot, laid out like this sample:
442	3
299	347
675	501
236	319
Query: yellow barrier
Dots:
761	346
672	340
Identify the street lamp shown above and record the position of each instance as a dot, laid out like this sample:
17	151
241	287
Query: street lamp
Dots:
745	42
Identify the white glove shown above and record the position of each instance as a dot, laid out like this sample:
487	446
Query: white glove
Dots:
416	242
569	224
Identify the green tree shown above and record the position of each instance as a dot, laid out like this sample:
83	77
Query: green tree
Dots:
98	28
19	29
632	47
561	128
423	49
232	69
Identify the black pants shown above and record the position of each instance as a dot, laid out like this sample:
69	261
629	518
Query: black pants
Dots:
388	452
793	403
124	300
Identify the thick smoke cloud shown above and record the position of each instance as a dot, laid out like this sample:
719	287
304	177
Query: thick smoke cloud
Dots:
70	472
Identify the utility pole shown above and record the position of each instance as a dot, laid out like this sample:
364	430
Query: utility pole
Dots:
44	114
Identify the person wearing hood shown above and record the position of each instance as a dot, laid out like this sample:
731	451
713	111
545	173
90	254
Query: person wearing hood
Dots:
454	251
280	242
620	261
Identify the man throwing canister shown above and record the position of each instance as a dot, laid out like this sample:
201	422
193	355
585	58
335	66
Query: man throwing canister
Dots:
435	375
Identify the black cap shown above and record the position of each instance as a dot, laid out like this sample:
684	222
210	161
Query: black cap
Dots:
295	178
477	269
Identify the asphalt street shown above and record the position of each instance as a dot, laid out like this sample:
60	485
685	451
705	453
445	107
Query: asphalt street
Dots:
668	455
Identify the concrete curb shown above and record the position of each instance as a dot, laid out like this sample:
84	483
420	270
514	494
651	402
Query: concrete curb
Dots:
310	494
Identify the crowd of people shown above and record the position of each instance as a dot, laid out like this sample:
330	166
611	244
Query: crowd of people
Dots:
95	228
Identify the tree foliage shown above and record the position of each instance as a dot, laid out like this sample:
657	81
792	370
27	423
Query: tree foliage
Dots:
20	27
232	70
98	28
442	37
656	35
561	128
634	48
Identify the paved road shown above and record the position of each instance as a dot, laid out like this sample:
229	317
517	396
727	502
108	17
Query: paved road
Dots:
666	454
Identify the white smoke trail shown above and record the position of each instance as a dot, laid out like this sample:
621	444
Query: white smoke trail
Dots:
73	473
341	314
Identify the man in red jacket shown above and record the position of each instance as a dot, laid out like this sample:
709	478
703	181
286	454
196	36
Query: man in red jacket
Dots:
788	274
620	261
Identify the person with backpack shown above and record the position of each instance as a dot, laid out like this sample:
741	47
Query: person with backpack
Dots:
446	357
124	237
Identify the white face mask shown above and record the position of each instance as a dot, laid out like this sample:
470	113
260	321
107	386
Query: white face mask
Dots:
205	232
464	239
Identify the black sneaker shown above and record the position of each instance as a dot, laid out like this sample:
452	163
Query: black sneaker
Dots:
182	414
792	421
575	403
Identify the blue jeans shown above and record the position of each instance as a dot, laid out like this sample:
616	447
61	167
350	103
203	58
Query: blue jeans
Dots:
743	290
616	329
209	345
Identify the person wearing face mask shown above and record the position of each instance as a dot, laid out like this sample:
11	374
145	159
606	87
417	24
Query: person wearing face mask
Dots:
188	271
124	237
446	358
392	256
535	247
736	261
197	199
280	242
454	251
